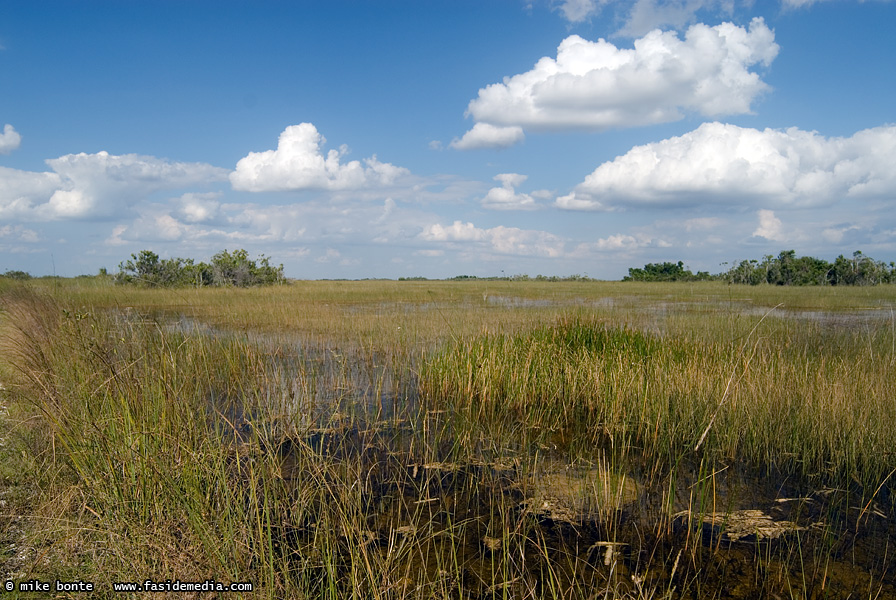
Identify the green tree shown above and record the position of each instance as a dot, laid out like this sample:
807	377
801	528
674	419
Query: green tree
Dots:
143	268
20	275
226	269
235	268
667	271
788	269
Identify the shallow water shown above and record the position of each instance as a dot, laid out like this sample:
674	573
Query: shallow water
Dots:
732	535
532	520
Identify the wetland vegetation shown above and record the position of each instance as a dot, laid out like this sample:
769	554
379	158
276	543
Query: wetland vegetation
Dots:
462	439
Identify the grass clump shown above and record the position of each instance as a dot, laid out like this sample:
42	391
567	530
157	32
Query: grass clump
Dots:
140	479
552	385
768	398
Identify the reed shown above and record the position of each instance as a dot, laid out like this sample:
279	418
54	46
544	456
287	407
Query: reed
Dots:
449	439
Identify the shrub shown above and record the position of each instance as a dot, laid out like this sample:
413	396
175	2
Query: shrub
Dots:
226	269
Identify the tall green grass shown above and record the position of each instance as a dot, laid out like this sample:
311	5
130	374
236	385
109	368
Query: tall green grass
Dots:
174	458
133	436
818	406
526	422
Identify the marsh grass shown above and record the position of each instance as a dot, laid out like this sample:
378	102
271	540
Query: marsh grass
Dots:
455	440
817	406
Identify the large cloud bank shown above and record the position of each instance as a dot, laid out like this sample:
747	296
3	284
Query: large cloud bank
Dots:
94	185
595	85
721	163
299	164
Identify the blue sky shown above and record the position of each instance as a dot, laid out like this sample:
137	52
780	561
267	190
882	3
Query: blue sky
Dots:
398	138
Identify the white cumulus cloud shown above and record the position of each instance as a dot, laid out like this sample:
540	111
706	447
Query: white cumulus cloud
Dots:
94	185
102	183
500	239
506	197
722	163
21	190
9	139
620	242
485	135
298	163
199	207
595	85
770	226
456	232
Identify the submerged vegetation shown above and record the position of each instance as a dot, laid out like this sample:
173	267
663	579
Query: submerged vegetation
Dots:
490	439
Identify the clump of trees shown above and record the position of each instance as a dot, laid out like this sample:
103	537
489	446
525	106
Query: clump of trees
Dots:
19	275
789	269
785	269
517	277
666	271
225	269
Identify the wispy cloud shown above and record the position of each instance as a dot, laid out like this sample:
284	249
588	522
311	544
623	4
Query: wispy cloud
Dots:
637	17
18	233
576	11
645	15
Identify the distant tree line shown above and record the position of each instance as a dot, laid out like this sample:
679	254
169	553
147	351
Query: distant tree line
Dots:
785	269
788	269
225	269
518	277
551	278
666	271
